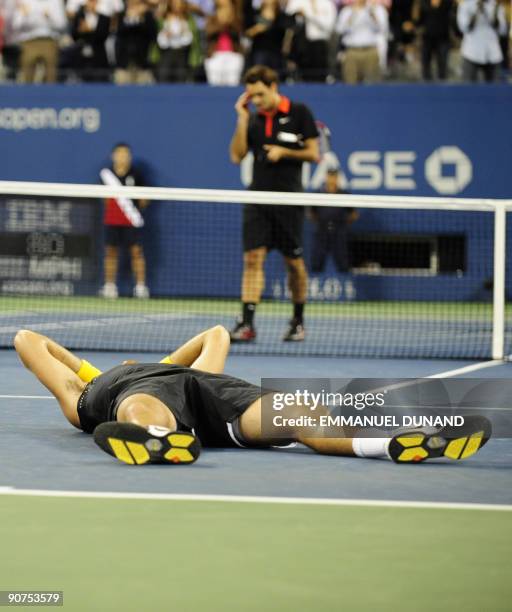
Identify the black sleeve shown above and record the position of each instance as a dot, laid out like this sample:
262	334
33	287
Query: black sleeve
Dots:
75	34
150	26
102	29
307	121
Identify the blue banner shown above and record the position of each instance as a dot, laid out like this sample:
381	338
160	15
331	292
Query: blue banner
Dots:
406	140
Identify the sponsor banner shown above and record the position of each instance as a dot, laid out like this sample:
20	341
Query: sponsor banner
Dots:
405	140
48	246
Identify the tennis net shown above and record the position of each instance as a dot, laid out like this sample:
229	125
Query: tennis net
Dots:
393	277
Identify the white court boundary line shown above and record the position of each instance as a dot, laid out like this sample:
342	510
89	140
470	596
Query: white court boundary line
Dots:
469	368
43	397
446	374
314	501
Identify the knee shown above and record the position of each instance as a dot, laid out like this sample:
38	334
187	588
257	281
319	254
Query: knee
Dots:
253	260
221	333
296	266
140	414
23	338
136	251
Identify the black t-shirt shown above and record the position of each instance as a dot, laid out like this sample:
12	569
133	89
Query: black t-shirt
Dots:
198	400
290	126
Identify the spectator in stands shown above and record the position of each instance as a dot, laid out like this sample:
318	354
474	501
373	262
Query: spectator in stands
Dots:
225	61
110	8
136	32
10	50
123	222
402	50
175	42
481	22
360	27
435	19
89	30
266	28
2	26
505	38
331	228
37	26
319	18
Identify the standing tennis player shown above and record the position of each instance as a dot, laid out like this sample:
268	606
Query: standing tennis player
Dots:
282	135
163	412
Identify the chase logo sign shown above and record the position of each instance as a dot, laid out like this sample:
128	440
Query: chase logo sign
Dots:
448	170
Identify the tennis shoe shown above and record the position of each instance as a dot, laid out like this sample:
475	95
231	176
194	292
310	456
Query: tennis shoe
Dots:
416	445
109	291
242	332
295	332
138	445
141	292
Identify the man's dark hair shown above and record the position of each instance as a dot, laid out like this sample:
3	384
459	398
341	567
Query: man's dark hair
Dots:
262	74
121	145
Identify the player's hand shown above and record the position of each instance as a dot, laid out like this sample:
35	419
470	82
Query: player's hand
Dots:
129	361
242	106
274	152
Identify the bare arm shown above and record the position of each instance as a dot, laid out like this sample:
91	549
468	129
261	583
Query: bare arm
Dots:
55	367
207	351
239	145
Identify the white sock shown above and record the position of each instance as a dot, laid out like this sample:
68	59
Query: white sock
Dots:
370	447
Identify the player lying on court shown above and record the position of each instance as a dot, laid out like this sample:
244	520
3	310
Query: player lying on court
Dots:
163	412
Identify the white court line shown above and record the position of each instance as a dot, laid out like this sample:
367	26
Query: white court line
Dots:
257	500
469	368
45	397
446	374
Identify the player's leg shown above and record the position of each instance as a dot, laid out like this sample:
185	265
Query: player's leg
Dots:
289	228
145	432
253	277
145	410
55	367
298	285
411	446
207	351
257	239
253	283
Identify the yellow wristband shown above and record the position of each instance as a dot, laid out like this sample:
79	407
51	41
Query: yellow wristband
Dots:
166	360
87	371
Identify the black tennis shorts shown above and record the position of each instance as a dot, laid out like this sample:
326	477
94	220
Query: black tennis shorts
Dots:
274	227
200	401
122	235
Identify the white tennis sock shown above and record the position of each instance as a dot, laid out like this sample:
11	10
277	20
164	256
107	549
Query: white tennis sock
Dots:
371	447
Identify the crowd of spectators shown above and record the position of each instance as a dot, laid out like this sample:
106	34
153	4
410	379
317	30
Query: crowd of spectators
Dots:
354	41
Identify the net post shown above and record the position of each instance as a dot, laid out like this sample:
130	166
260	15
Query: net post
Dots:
498	316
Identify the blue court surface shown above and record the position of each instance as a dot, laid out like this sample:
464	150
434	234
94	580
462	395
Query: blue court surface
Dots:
40	450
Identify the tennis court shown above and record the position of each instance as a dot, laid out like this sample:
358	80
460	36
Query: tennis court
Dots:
247	530
377	329
242	529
